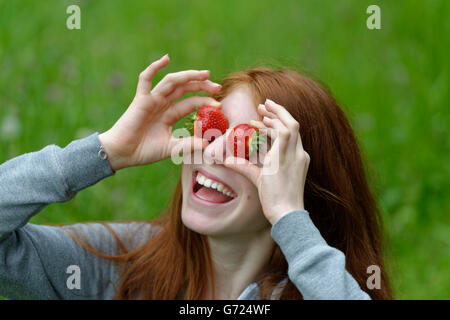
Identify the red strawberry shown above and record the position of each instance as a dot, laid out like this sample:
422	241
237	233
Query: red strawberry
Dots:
244	138
208	118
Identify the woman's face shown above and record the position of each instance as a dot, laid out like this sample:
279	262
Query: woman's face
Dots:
209	211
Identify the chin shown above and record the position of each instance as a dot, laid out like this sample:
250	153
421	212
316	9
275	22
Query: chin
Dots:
200	223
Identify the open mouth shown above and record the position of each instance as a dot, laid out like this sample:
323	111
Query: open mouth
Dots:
211	189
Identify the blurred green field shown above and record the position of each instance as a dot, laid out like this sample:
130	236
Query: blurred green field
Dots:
57	85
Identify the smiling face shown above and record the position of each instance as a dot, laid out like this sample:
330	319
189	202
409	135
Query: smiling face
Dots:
218	201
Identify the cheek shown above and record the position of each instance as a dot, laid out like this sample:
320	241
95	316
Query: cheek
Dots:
250	203
251	198
251	192
186	178
251	218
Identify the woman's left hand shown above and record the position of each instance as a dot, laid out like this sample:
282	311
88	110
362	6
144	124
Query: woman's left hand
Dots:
280	192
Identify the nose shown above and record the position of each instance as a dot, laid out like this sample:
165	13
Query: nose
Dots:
216	151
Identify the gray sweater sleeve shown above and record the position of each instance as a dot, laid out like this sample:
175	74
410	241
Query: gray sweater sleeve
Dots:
317	269
37	261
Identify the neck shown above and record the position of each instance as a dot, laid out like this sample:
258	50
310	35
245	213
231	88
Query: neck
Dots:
239	261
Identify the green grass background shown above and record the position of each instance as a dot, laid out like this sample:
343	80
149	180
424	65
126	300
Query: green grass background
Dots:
57	85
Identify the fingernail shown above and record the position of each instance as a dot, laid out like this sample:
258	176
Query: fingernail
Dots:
213	83
204	71
261	105
166	55
215	104
270	101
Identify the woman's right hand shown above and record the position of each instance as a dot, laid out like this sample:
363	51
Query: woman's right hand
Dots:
143	134
281	188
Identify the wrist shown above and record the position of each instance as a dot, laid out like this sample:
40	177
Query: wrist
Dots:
115	160
280	212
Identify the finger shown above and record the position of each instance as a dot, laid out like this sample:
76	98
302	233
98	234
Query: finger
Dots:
190	144
263	129
244	167
172	80
269	136
145	77
262	110
299	143
282	132
287	119
282	114
182	108
194	86
188	148
257	124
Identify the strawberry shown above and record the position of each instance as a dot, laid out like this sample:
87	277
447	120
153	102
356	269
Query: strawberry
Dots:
244	137
207	118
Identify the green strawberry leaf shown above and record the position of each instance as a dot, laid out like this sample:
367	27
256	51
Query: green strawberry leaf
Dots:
190	122
255	141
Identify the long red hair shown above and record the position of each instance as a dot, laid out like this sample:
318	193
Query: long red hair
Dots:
176	262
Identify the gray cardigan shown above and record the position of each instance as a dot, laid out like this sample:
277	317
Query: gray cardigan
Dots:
36	261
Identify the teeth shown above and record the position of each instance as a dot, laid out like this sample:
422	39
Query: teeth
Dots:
208	183
213	184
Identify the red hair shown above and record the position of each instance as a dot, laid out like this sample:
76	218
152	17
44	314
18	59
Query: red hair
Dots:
176	262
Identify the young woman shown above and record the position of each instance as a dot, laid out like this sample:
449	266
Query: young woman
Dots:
310	230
